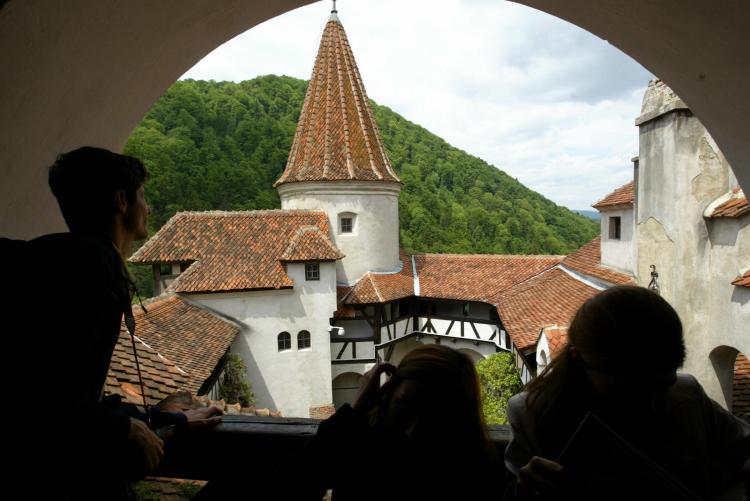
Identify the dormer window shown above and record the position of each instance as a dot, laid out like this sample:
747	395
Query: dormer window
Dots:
347	221
165	269
312	271
614	228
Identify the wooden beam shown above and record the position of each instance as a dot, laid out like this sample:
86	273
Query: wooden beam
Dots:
474	328
448	331
343	348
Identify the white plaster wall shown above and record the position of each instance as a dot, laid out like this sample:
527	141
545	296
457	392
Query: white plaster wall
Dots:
542	347
355	328
482	350
681	171
289	381
373	246
365	351
619	254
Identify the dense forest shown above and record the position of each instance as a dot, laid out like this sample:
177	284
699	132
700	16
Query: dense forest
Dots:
221	145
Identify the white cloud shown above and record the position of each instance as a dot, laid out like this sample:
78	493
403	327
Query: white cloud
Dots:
545	101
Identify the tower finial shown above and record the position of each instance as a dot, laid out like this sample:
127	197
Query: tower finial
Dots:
334	11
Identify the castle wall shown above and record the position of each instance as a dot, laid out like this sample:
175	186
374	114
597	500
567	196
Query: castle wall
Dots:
681	171
373	245
290	381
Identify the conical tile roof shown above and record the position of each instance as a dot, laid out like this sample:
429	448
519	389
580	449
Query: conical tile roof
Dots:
337	138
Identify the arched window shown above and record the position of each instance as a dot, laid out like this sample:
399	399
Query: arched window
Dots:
285	341
303	340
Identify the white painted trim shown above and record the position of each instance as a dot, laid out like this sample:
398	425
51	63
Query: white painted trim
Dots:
338	188
416	276
596	284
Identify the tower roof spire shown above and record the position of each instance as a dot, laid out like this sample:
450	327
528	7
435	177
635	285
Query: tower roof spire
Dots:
337	138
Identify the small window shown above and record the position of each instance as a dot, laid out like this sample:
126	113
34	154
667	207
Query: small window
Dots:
183	267
312	271
165	269
303	340
614	228
347	222
466	309
285	341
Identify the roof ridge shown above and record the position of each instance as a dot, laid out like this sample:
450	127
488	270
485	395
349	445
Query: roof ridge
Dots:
256	212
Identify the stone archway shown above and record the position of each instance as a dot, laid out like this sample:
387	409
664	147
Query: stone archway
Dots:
345	387
88	75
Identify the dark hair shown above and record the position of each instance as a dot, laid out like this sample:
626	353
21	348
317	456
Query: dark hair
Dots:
85	180
605	325
450	395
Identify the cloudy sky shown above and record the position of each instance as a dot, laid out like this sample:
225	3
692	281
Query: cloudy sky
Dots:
541	99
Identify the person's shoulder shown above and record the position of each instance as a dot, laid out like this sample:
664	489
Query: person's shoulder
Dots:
517	407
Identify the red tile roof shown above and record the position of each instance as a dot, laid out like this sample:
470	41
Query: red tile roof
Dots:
744	280
161	377
735	206
475	277
550	298
342	309
310	243
384	287
588	261
336	138
741	387
194	338
624	195
237	250
557	338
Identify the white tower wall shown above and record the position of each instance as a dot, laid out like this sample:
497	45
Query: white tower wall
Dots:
373	244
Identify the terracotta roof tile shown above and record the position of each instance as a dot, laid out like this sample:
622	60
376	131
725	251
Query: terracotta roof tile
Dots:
744	280
735	206
624	195
557	338
588	261
384	287
741	387
194	338
161	377
476	277
336	138
550	298
310	243
236	250
342	309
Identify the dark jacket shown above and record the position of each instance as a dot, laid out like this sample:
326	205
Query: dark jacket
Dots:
360	462
69	293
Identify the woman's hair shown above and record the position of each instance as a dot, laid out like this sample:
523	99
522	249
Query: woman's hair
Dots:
449	397
608	325
85	180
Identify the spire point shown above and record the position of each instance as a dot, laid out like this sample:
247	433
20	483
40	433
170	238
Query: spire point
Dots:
334	13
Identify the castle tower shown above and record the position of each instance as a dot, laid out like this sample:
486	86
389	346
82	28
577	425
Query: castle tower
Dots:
338	163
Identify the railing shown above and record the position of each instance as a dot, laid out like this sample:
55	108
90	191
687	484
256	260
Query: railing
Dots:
255	450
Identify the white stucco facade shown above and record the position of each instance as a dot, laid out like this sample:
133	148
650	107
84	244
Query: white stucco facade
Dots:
618	253
290	381
681	171
373	243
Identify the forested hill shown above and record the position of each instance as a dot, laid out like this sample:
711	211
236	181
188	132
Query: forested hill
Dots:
221	145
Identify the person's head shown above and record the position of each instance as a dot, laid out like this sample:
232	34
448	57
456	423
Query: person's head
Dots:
434	390
624	342
606	327
97	189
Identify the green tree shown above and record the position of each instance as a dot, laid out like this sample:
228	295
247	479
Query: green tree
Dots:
498	380
233	387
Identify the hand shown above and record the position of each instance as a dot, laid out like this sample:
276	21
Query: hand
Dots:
151	445
538	478
205	417
369	387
